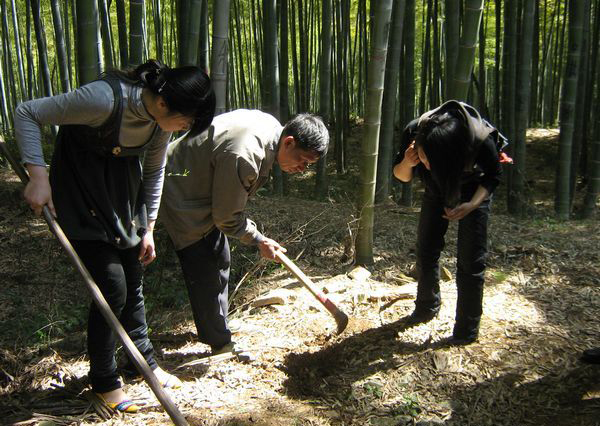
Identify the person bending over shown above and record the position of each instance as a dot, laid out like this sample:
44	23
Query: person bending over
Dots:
454	152
209	180
104	198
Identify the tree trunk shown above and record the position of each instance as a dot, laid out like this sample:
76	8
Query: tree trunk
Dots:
583	106
409	85
28	49
270	59
436	65
192	38
204	44
388	119
18	51
122	27
516	202
61	51
369	145
157	17
509	64
42	49
425	60
341	85
9	77
106	33
321	184
466	50
535	72
593	189
218	63
136	32
452	37
270	74
183	19
567	110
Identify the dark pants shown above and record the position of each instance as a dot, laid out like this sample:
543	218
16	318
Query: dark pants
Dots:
205	266
471	254
118	273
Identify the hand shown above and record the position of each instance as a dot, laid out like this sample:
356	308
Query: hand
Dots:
269	247
147	251
37	191
459	211
411	155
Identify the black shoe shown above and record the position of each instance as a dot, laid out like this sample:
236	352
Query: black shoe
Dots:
591	356
227	348
461	341
466	330
453	341
420	316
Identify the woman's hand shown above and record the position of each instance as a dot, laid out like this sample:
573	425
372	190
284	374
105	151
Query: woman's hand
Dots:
147	248
411	155
37	191
269	247
464	209
458	212
404	169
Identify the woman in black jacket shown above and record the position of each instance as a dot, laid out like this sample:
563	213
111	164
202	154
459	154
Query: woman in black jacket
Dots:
454	152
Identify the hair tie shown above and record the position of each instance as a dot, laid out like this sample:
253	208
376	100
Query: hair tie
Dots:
159	72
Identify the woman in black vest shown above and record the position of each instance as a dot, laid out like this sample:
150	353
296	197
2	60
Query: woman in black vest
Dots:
104	198
457	160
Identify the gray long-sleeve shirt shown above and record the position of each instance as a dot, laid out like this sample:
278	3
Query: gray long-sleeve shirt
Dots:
210	177
92	105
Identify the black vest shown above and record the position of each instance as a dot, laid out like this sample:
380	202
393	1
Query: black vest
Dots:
96	183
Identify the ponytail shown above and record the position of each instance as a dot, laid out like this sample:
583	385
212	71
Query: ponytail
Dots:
186	90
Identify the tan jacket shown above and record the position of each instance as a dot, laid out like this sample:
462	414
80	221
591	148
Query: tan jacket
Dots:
210	177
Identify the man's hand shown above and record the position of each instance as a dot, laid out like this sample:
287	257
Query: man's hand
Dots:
459	211
269	247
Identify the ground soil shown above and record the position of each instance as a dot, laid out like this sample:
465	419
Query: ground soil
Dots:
541	307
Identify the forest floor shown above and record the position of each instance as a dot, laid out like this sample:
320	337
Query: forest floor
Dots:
541	309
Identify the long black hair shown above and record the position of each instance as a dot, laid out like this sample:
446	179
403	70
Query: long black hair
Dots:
448	145
186	90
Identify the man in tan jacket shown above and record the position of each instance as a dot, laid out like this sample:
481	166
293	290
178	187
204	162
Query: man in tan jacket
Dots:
208	181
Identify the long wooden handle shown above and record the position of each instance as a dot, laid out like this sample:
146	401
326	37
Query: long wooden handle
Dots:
138	360
340	317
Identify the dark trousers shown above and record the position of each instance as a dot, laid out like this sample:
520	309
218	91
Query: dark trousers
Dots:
118	273
471	254
205	266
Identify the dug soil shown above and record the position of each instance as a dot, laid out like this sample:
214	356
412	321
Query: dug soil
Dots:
541	309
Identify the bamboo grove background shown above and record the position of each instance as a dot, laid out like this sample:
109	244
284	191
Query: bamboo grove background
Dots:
522	63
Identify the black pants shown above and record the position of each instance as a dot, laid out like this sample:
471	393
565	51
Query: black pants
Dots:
118	273
471	254
205	266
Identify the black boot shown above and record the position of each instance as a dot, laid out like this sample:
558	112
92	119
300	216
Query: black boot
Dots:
466	330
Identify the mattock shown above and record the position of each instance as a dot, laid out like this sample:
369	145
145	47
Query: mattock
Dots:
340	317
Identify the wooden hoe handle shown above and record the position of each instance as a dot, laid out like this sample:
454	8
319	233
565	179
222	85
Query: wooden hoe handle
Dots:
340	317
138	360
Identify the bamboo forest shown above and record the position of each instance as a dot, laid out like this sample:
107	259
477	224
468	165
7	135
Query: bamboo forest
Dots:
391	218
